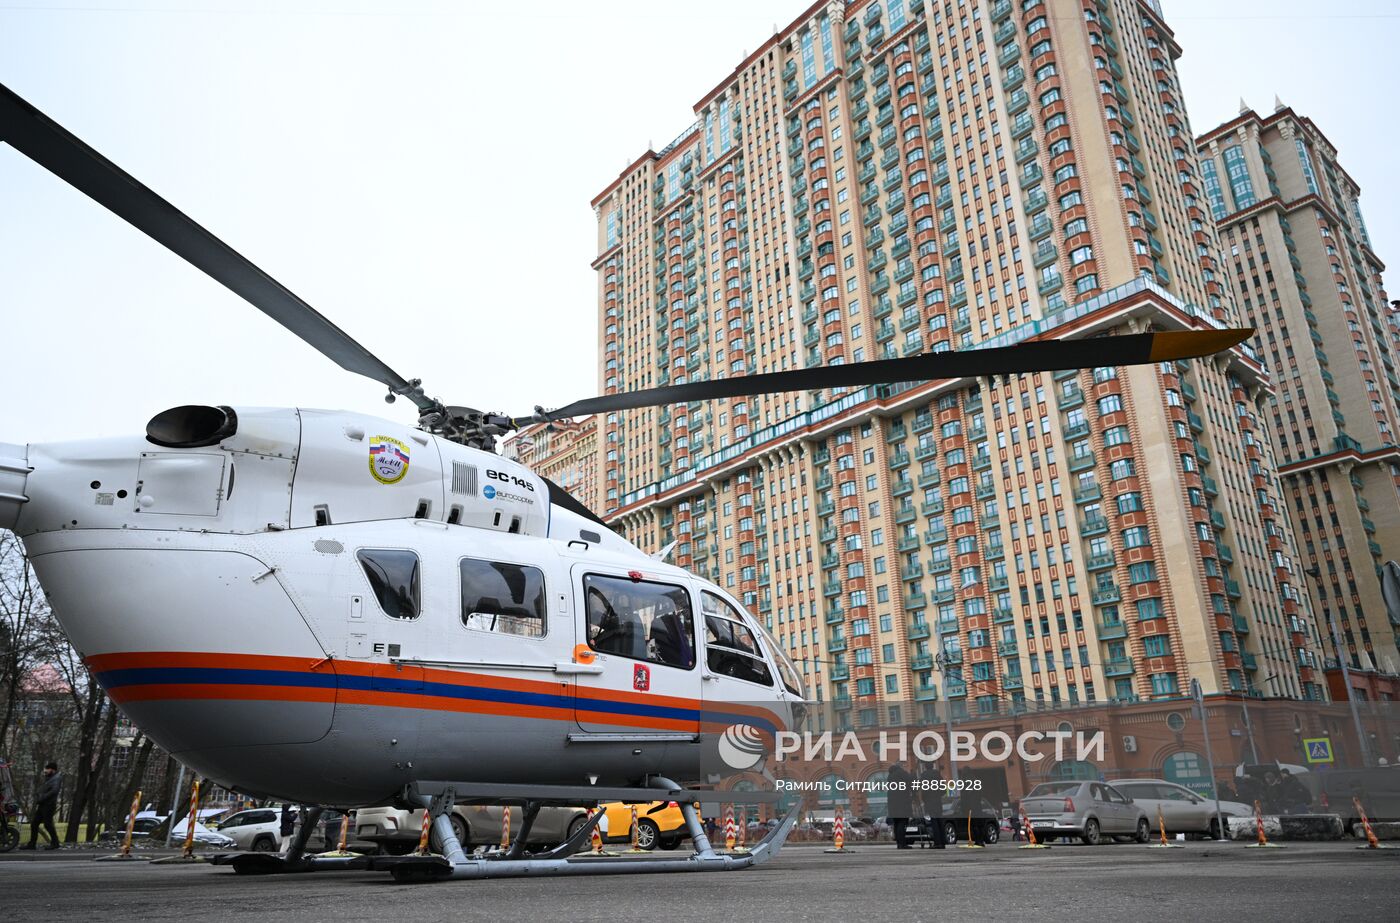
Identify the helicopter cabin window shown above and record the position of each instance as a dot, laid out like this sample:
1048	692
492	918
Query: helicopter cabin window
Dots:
641	620
393	576
731	649
505	598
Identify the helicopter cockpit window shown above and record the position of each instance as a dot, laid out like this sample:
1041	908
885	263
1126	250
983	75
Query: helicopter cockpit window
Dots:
393	576
641	620
731	649
504	598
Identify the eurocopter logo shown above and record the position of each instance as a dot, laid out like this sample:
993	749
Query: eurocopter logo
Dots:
388	459
741	747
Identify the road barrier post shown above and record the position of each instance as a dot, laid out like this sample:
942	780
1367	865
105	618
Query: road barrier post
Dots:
187	852
1263	841
1162	831
125	853
971	840
422	849
636	835
1030	833
838	833
1371	841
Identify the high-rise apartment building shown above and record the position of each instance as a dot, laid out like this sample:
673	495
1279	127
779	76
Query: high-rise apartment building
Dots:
1304	273
566	452
880	179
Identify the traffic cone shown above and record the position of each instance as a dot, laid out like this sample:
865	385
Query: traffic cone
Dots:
1371	841
1162	830
1030	834
838	833
1263	842
971	840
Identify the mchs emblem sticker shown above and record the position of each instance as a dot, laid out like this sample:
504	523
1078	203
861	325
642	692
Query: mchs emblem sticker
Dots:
388	459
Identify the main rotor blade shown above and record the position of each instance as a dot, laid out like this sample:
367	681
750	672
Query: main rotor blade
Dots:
1032	356
59	151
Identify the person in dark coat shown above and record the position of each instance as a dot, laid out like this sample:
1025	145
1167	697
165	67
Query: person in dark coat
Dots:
900	801
1294	797
972	807
932	792
286	824
46	806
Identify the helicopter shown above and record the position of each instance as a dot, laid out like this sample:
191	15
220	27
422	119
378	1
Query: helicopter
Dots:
336	609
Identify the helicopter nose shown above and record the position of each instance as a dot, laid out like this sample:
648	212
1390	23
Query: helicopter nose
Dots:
14	471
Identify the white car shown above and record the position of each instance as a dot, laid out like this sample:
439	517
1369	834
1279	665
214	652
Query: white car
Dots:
149	822
258	829
1183	811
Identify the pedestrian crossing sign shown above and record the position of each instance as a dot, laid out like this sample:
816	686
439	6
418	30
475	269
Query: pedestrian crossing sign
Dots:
1319	749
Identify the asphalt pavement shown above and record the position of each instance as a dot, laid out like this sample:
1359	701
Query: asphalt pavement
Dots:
1202	882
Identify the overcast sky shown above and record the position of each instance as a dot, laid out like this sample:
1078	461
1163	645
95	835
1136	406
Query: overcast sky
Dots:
421	172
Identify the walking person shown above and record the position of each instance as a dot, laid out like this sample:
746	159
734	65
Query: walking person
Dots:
286	826
900	802
46	806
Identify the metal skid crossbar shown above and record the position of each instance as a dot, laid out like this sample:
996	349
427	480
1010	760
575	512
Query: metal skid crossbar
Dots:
439	798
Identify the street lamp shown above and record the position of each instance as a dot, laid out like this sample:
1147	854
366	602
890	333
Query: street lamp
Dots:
941	660
1248	725
1316	574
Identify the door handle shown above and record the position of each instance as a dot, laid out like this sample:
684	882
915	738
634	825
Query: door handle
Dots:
567	667
712	677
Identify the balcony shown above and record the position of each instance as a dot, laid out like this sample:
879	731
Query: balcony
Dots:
918	631
1012	681
1105	594
955	687
1007	648
921	662
1108	631
1001	615
1081	462
839	673
1093	525
1120	667
836	645
1069	400
1088	494
1100	561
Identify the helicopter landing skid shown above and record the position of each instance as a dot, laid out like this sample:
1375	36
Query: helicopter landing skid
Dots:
417	869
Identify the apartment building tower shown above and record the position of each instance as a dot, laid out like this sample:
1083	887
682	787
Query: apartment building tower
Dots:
1298	256
885	178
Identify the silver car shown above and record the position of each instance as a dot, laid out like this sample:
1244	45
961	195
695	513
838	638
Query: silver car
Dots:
1092	811
396	831
1183	811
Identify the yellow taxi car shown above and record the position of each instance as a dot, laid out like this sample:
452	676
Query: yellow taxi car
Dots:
659	823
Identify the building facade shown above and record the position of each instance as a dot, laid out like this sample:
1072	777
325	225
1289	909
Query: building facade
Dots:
1304	273
566	452
881	179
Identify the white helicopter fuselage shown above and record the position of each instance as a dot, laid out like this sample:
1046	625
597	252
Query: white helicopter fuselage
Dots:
296	610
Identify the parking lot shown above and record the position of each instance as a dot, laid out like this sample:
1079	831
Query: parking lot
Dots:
1204	881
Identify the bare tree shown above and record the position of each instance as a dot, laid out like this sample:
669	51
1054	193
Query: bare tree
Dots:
23	610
